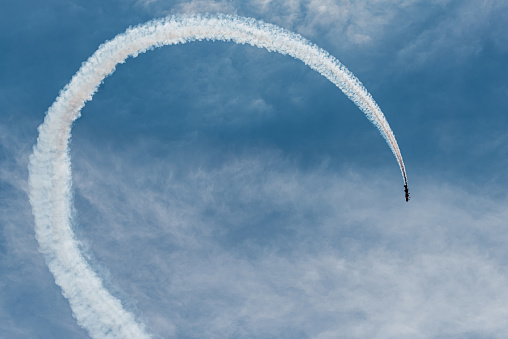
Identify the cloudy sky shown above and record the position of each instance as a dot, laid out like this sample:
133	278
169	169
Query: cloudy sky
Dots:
223	191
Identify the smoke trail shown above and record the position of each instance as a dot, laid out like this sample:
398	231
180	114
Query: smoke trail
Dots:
95	309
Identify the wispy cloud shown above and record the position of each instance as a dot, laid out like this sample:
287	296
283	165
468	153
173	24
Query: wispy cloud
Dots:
416	31
459	30
203	244
331	256
204	6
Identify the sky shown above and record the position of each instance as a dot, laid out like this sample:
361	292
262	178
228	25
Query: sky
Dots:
222	191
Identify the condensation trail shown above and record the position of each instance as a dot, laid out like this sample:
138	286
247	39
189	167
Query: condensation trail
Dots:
94	308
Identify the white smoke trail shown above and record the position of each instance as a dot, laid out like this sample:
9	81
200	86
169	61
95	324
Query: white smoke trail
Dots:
95	309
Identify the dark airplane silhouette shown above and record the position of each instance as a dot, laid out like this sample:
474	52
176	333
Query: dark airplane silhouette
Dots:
406	191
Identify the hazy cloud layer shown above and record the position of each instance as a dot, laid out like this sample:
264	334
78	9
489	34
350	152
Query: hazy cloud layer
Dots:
225	192
257	248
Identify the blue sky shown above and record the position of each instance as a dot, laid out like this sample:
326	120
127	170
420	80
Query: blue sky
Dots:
227	192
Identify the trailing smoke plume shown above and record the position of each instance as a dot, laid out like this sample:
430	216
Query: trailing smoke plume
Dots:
95	309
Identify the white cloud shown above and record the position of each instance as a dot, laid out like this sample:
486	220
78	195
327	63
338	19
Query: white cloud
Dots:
204	6
257	248
414	32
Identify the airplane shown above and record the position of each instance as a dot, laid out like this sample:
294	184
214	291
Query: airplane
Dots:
406	191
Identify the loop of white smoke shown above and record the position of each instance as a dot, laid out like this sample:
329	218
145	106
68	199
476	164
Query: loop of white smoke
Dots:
95	309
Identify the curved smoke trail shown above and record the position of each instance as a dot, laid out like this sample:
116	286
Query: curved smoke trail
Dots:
95	309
